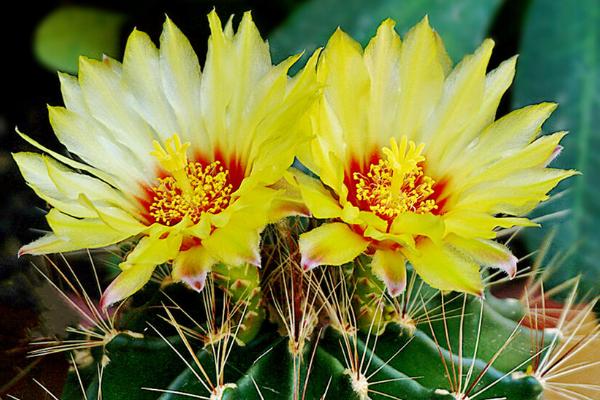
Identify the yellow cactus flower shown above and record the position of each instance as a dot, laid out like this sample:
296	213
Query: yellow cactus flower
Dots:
413	165
188	161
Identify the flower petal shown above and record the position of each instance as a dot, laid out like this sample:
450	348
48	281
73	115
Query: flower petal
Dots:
318	199
423	67
99	81
85	137
181	78
487	253
85	233
155	250
141	75
330	244
415	224
389	266
127	283
445	269
235	244
473	224
462	98
48	244
191	267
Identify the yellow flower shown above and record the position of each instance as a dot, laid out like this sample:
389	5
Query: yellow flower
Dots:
412	164
187	161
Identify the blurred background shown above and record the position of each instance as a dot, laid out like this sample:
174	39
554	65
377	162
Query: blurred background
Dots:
559	47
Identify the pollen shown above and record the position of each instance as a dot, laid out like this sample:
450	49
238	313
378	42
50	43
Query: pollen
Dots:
396	184
191	189
209	191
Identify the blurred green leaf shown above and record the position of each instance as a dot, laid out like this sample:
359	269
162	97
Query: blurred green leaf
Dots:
560	61
69	32
461	23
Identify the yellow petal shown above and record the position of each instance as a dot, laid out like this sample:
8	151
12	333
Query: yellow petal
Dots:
85	233
445	269
191	267
71	93
429	225
236	243
114	217
127	283
36	174
343	71
155	250
472	224
330	244
48	244
512	132
70	162
181	77
536	155
85	137
289	201
141	75
389	266
514	195
487	253
381	59
319	200
403	239
496	84
461	99
422	72
99	81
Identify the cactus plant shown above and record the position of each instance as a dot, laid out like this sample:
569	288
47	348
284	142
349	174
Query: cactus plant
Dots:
402	307
320	340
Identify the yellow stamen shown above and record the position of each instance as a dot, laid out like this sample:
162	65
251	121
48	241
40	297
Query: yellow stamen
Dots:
191	190
397	184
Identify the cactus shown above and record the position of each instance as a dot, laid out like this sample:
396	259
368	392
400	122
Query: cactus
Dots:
244	278
331	333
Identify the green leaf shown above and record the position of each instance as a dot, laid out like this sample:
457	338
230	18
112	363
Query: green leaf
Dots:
69	32
461	23
560	61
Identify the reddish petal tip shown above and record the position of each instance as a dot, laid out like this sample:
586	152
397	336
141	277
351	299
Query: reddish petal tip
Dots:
308	264
195	282
395	290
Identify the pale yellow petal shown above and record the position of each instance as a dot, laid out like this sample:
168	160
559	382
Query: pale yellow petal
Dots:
126	283
99	81
381	57
461	99
486	253
343	72
330	244
154	250
445	269
235	244
181	79
141	76
317	198
422	72
389	266
473	224
71	93
85	233
191	267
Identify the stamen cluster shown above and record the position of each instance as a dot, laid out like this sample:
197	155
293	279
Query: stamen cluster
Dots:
210	193
397	184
